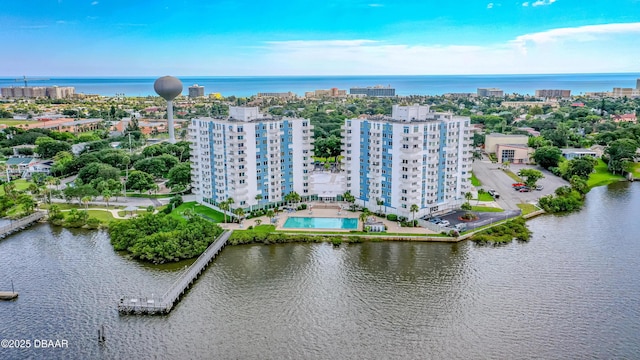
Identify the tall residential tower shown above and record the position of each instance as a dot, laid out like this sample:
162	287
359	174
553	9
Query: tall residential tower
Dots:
416	156
249	155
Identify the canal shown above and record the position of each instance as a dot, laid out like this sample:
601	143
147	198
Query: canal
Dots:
573	291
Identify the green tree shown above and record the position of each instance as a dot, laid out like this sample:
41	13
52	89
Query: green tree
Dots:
96	172
139	181
379	202
547	156
620	155
179	175
106	196
531	177
582	167
47	147
414	209
154	166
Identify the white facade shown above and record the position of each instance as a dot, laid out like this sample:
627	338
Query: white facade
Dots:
413	157
249	154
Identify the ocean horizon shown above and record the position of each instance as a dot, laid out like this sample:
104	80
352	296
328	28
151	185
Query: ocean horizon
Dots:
405	85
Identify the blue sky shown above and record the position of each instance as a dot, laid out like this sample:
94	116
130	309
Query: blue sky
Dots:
376	37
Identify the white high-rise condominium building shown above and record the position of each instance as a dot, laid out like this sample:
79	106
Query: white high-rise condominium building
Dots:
248	154
413	157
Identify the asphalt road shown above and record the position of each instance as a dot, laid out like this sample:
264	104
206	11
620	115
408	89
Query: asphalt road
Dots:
492	177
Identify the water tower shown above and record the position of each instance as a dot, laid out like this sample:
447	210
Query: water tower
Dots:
168	87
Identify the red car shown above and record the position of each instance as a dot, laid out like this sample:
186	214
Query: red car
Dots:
517	184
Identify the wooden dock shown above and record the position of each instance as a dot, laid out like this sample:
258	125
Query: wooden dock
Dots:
20	224
8	295
165	303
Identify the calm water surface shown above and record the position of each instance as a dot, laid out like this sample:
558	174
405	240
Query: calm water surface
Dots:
573	291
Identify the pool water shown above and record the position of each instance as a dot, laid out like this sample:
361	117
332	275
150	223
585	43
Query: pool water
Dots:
321	223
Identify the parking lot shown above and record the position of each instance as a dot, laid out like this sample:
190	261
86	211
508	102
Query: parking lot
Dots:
493	177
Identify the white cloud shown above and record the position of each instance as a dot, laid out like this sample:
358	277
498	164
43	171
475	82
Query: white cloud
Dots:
580	33
375	5
543	2
490	6
94	3
550	51
525	4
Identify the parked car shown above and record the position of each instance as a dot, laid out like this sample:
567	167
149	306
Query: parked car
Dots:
524	189
460	226
517	184
445	223
435	220
517	188
491	192
539	187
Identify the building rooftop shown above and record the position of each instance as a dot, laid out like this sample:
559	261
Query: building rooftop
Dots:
19	160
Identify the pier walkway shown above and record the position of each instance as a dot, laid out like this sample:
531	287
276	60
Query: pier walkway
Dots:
164	304
20	224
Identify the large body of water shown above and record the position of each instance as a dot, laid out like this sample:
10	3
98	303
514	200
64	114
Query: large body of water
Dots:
573	291
404	85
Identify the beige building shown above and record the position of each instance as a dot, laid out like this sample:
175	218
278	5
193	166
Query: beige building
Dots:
553	93
492	141
519	104
514	154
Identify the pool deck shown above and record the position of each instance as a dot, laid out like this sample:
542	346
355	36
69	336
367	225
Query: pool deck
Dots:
317	210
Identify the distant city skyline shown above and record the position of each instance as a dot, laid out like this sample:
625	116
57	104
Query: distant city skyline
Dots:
191	38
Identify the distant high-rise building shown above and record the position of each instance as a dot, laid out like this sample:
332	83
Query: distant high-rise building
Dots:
490	92
415	157
333	92
375	91
553	93
638	84
53	92
282	95
196	91
248	154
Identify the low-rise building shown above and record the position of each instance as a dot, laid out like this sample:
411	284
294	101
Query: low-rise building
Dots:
630	118
492	141
513	153
578	153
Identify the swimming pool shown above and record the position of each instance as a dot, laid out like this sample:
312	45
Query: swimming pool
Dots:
321	223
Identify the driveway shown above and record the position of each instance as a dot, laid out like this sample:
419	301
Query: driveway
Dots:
491	176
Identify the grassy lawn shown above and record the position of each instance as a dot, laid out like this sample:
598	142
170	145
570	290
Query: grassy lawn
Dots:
601	176
636	170
74	205
512	175
102	215
21	184
528	208
486	209
215	216
484	197
12	122
474	180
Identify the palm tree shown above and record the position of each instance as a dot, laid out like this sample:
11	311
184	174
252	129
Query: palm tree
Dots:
414	209
480	192
106	195
258	199
239	212
224	206
258	222
379	202
85	200
468	196
270	215
363	217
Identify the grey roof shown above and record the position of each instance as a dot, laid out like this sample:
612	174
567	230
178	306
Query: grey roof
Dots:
19	160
